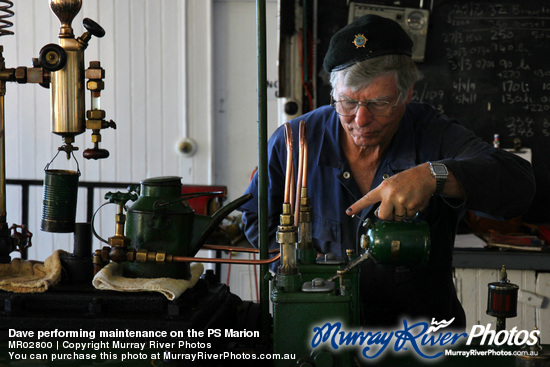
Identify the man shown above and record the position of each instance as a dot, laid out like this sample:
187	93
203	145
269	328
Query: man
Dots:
373	152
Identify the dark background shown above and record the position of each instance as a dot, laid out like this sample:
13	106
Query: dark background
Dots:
487	64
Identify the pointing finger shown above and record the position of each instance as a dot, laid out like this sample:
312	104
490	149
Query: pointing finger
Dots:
369	199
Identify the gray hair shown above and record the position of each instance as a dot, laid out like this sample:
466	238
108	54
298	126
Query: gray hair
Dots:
361	74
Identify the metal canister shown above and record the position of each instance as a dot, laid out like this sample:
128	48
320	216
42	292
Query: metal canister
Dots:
59	200
399	243
502	299
68	116
160	220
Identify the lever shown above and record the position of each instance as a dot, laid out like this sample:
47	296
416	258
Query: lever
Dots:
94	28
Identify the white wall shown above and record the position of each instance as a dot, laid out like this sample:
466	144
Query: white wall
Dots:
236	114
235	89
174	69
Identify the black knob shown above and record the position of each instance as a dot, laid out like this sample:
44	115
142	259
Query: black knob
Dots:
95	153
94	28
52	57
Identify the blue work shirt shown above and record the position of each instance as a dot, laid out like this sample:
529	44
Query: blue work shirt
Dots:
495	182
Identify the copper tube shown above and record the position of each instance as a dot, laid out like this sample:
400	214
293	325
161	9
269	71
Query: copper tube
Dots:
236	249
224	261
289	177
302	174
286	232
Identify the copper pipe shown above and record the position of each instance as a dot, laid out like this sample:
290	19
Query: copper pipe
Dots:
224	261
302	162
236	249
304	174
289	177
292	188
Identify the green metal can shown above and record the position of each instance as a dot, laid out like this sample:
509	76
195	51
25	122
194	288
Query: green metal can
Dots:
399	243
59	200
160	220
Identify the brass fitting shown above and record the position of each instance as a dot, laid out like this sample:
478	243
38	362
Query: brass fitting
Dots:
364	242
342	284
21	75
351	254
95	115
151	256
97	261
305	211
105	253
93	124
141	255
131	255
96	138
119	241
95	85
95	71
97	257
159	257
286	218
287	234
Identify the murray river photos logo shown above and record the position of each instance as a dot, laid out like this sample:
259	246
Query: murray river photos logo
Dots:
428	341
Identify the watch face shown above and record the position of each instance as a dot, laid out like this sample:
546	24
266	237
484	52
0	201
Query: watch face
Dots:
439	169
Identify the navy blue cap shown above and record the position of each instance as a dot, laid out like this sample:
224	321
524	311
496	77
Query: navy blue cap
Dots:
367	37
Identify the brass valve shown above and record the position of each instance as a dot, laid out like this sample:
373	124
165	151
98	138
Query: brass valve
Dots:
96	116
119	242
287	237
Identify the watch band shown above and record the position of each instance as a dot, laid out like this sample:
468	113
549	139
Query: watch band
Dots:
439	185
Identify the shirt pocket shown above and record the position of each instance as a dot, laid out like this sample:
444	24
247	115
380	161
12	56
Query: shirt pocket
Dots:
327	232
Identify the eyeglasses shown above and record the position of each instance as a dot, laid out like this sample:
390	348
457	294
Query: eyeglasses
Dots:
349	107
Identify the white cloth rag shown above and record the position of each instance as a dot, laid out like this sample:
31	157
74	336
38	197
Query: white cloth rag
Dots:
110	278
30	276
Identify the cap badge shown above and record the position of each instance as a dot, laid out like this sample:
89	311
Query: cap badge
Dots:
360	40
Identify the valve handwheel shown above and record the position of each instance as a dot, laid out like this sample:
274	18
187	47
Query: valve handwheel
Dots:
52	57
94	28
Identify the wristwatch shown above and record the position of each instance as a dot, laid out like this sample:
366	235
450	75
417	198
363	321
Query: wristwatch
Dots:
440	172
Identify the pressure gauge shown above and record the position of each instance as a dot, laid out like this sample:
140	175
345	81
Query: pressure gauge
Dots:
416	20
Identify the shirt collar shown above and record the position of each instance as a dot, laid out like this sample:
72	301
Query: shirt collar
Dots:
400	155
330	153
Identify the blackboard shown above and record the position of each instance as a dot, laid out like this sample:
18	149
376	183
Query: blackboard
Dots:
488	65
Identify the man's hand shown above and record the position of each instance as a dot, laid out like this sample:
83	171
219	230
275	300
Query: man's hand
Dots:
405	194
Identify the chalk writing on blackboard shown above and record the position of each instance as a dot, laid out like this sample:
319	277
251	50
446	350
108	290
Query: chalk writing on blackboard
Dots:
488	57
488	65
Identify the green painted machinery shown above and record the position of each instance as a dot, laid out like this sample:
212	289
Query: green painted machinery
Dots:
312	293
